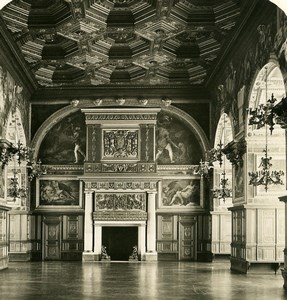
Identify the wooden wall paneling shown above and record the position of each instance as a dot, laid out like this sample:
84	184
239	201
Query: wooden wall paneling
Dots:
280	234
19	244
3	240
224	233
187	240
52	237
72	239
251	234
167	239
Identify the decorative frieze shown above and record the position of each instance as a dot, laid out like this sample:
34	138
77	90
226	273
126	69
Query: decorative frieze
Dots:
120	117
120	168
64	169
111	215
120	201
122	185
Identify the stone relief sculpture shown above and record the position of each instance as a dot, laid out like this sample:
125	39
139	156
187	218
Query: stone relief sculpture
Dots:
120	201
120	143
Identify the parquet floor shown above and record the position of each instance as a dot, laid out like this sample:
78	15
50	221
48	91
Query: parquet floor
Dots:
135	280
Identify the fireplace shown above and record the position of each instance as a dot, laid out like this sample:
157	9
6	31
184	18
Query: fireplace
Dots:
119	241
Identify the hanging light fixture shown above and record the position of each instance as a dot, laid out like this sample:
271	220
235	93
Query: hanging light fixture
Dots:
265	176
15	190
223	191
215	154
20	154
203	169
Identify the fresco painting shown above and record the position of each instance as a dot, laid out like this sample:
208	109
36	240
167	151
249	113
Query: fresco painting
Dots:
65	142
176	144
59	192
239	183
180	192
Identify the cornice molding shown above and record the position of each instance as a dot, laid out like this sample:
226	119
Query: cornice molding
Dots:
94	92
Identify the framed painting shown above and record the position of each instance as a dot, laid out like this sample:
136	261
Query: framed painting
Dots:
180	193
58	193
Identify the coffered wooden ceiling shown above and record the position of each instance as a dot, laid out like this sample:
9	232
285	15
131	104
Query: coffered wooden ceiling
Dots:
120	42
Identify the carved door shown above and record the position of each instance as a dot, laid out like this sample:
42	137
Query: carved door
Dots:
187	233
52	238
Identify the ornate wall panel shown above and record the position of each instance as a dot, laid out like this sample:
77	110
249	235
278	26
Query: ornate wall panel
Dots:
120	144
221	232
3	240
19	244
167	234
120	201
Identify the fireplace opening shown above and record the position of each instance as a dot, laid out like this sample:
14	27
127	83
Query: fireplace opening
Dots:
119	241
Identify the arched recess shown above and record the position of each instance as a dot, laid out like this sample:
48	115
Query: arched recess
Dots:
48	124
189	121
192	124
223	136
269	81
221	217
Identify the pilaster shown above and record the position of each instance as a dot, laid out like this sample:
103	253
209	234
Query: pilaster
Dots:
151	253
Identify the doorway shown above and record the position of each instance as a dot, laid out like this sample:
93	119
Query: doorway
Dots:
119	241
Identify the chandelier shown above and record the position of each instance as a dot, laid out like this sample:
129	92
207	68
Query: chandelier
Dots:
216	154
15	190
20	155
265	176
223	191
203	168
264	115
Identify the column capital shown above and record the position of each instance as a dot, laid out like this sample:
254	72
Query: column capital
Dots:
155	192
88	192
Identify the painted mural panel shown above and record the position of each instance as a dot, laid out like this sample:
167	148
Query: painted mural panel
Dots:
239	181
180	192
175	143
58	192
65	142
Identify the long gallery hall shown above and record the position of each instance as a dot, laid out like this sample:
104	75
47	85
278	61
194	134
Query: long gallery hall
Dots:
143	149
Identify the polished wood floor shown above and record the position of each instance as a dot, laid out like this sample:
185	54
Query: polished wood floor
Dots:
135	280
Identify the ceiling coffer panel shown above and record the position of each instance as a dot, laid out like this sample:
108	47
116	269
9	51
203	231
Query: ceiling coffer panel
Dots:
103	42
